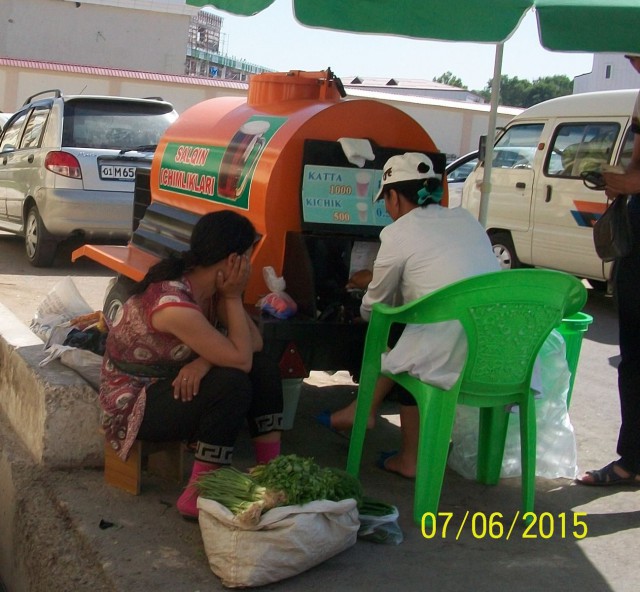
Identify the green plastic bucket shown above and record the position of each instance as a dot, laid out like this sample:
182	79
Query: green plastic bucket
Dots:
572	329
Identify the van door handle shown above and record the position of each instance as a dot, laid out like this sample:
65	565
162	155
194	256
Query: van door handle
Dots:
30	158
4	160
547	198
521	185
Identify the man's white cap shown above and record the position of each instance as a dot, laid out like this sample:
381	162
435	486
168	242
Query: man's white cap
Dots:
409	166
632	55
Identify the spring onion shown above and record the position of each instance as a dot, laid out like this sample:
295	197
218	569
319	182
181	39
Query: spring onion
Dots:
373	507
239	493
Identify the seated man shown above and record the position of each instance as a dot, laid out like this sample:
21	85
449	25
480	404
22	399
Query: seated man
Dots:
425	248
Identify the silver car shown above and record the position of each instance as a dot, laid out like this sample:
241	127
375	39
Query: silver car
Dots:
457	173
67	167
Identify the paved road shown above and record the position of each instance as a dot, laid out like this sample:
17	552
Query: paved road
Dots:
23	287
605	560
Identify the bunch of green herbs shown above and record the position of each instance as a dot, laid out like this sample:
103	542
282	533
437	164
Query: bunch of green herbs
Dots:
302	480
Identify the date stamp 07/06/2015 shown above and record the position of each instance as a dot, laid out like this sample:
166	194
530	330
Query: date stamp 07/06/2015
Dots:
530	525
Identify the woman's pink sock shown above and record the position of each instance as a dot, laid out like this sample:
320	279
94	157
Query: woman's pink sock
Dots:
265	451
187	502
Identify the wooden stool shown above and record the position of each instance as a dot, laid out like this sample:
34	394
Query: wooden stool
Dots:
165	459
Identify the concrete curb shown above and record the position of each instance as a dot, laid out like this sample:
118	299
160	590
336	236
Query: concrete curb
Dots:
49	418
52	409
41	549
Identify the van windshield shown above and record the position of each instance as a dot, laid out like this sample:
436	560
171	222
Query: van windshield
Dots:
526	135
113	124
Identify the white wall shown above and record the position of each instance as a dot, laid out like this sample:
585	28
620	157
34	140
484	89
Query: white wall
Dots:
93	34
454	126
17	82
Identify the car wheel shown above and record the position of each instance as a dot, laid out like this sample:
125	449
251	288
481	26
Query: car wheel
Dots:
116	297
39	246
504	250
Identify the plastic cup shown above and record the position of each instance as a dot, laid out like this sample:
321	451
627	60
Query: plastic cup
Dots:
362	184
363	210
572	330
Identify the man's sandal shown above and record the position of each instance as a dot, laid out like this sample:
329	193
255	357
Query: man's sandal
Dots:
608	476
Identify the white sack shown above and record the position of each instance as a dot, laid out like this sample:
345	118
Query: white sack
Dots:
287	540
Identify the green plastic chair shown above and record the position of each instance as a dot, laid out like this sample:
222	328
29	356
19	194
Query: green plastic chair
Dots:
507	315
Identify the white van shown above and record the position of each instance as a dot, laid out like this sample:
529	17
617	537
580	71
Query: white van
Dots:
540	213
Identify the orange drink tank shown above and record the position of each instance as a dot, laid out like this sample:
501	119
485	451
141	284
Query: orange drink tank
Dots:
303	164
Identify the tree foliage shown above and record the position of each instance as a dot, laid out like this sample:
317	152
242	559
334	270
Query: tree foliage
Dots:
450	79
515	92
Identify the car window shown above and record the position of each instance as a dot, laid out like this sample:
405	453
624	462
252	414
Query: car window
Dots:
460	173
511	158
11	135
114	124
581	147
34	128
516	148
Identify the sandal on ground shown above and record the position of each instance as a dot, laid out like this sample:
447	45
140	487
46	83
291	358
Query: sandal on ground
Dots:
324	419
608	476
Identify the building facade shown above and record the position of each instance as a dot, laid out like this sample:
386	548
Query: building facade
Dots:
129	34
610	71
161	36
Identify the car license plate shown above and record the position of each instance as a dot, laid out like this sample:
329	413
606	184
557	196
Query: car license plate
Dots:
117	172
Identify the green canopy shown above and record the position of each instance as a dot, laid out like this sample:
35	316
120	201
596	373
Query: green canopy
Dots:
468	20
564	25
454	20
589	25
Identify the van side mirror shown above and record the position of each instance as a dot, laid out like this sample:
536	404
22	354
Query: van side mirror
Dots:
482	148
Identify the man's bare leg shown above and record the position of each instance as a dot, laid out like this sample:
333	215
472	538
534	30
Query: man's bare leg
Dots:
405	461
342	419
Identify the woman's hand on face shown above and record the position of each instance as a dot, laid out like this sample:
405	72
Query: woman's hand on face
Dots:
187	384
232	282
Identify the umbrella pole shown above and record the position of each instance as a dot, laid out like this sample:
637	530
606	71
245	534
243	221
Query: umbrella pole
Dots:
491	135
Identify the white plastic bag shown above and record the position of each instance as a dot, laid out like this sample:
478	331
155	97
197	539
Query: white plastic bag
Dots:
287	540
62	304
83	361
556	452
277	302
381	529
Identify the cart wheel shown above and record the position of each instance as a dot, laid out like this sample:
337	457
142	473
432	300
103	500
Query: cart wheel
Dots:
116	297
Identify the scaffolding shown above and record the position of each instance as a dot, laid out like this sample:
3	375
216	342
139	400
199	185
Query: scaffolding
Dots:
204	53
